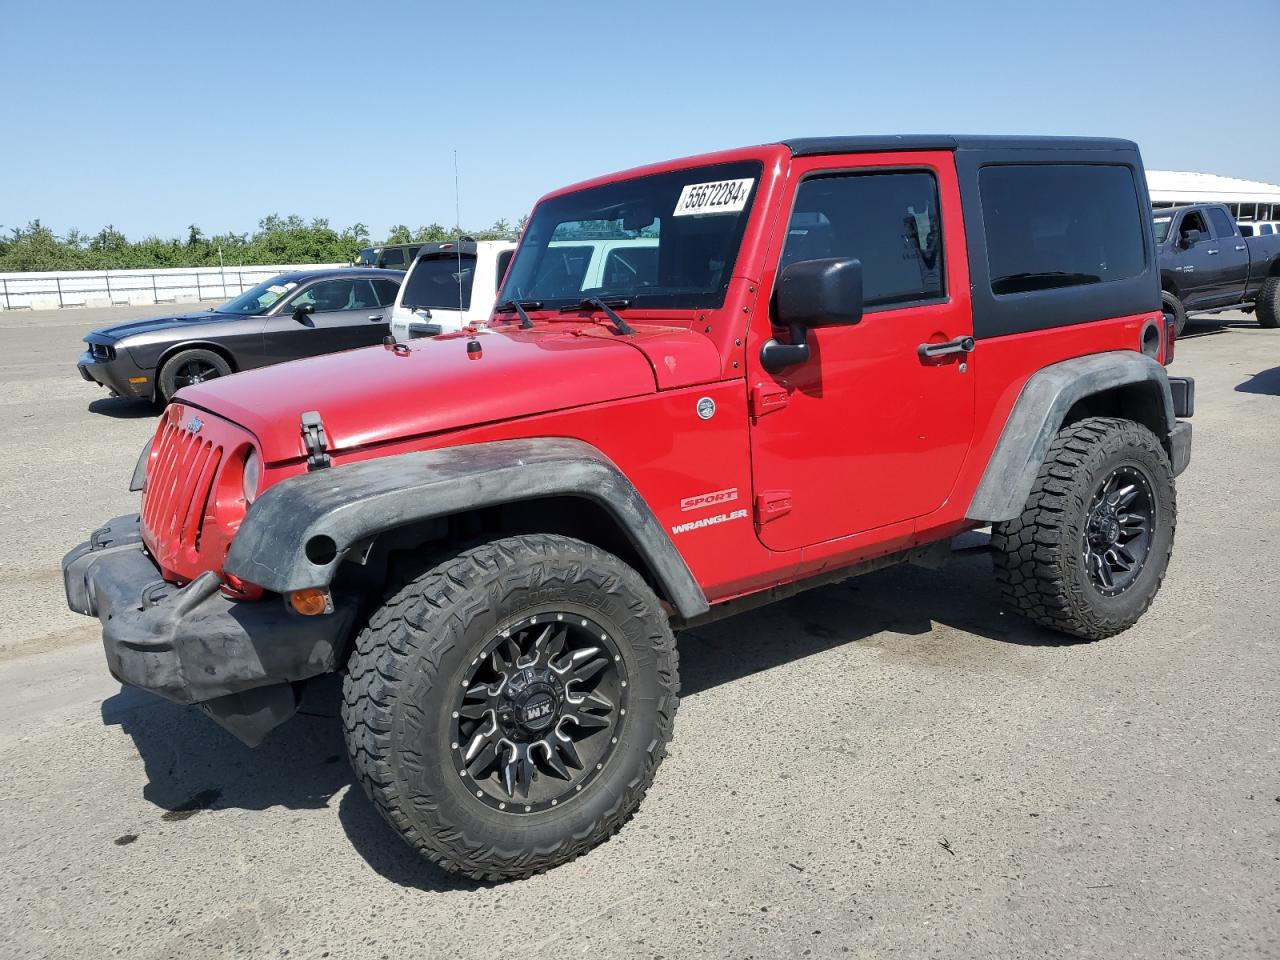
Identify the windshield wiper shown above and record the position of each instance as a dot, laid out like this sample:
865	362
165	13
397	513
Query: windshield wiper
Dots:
595	303
519	307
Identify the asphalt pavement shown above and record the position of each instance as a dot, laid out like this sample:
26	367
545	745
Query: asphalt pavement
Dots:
891	767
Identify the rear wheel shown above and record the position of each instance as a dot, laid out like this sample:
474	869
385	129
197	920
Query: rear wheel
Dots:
1090	549
189	367
1173	305
1268	303
507	709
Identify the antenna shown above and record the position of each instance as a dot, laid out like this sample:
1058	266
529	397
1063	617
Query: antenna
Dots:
457	225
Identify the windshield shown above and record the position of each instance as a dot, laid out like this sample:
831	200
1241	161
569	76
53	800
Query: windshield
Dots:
440	281
368	257
1162	225
259	299
667	240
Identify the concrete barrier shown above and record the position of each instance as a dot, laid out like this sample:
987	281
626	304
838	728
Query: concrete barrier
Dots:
99	288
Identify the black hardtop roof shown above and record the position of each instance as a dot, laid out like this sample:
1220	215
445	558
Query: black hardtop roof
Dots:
817	146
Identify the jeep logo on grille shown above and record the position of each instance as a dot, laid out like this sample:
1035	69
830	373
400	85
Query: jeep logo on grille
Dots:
194	424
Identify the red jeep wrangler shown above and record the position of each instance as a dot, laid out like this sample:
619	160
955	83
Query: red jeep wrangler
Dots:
708	384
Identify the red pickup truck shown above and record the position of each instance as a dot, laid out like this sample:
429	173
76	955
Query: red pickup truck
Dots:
798	362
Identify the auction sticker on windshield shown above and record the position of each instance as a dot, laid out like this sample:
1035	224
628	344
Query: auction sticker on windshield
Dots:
721	196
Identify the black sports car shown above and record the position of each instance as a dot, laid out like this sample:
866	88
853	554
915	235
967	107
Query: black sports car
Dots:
294	315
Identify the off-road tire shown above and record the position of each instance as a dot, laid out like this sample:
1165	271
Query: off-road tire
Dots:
409	659
166	382
1173	305
1038	556
1267	305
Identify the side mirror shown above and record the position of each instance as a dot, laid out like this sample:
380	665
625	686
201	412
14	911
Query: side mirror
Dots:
812	293
302	311
1190	238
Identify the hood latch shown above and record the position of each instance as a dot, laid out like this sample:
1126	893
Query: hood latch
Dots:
315	440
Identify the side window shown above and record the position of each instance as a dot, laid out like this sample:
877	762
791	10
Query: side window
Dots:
1193	221
562	271
1222	225
630	269
1061	225
327	296
1267	229
504	261
393	259
889	221
386	291
1246	230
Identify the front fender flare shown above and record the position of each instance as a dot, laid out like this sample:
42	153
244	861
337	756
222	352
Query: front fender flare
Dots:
350	503
1038	415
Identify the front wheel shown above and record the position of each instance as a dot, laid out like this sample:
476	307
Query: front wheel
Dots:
1090	549
507	709
189	367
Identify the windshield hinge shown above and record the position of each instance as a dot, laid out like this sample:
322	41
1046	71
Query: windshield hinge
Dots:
768	397
315	440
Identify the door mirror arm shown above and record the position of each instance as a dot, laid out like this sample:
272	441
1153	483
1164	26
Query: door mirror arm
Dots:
302	311
776	357
812	293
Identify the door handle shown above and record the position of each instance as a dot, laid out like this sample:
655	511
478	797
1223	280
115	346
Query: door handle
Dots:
930	351
1212	253
376	316
1242	247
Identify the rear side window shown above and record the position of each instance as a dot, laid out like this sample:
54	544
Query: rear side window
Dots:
1222	225
393	259
888	221
562	271
1060	225
504	261
1267	230
442	281
631	269
387	290
1246	230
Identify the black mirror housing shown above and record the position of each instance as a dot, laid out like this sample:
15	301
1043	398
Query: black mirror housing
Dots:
1191	237
820	293
812	293
303	310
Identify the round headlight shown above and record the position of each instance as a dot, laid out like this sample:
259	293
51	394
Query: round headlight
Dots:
252	475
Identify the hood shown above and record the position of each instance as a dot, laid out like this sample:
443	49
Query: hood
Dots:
156	324
377	394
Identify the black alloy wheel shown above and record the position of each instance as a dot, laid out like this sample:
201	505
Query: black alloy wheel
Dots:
537	716
1118	533
193	371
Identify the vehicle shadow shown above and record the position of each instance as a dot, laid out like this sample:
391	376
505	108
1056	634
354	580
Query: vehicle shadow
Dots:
1265	382
124	408
1210	324
192	764
905	600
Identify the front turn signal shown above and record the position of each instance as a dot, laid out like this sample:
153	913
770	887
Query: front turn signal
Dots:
311	601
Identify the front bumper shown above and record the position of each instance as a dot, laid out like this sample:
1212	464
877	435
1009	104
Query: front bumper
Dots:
238	661
120	375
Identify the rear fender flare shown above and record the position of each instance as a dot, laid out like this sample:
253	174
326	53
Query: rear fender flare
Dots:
1039	413
329	512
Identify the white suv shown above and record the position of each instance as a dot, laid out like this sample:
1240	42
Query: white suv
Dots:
450	286
470	273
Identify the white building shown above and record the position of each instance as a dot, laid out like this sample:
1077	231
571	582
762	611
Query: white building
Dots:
1248	199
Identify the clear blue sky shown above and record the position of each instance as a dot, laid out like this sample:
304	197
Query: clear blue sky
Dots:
155	115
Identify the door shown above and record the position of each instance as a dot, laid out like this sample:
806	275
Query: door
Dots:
868	432
347	313
1194	265
1231	267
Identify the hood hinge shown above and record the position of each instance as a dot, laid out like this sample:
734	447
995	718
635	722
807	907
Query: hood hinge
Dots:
315	440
